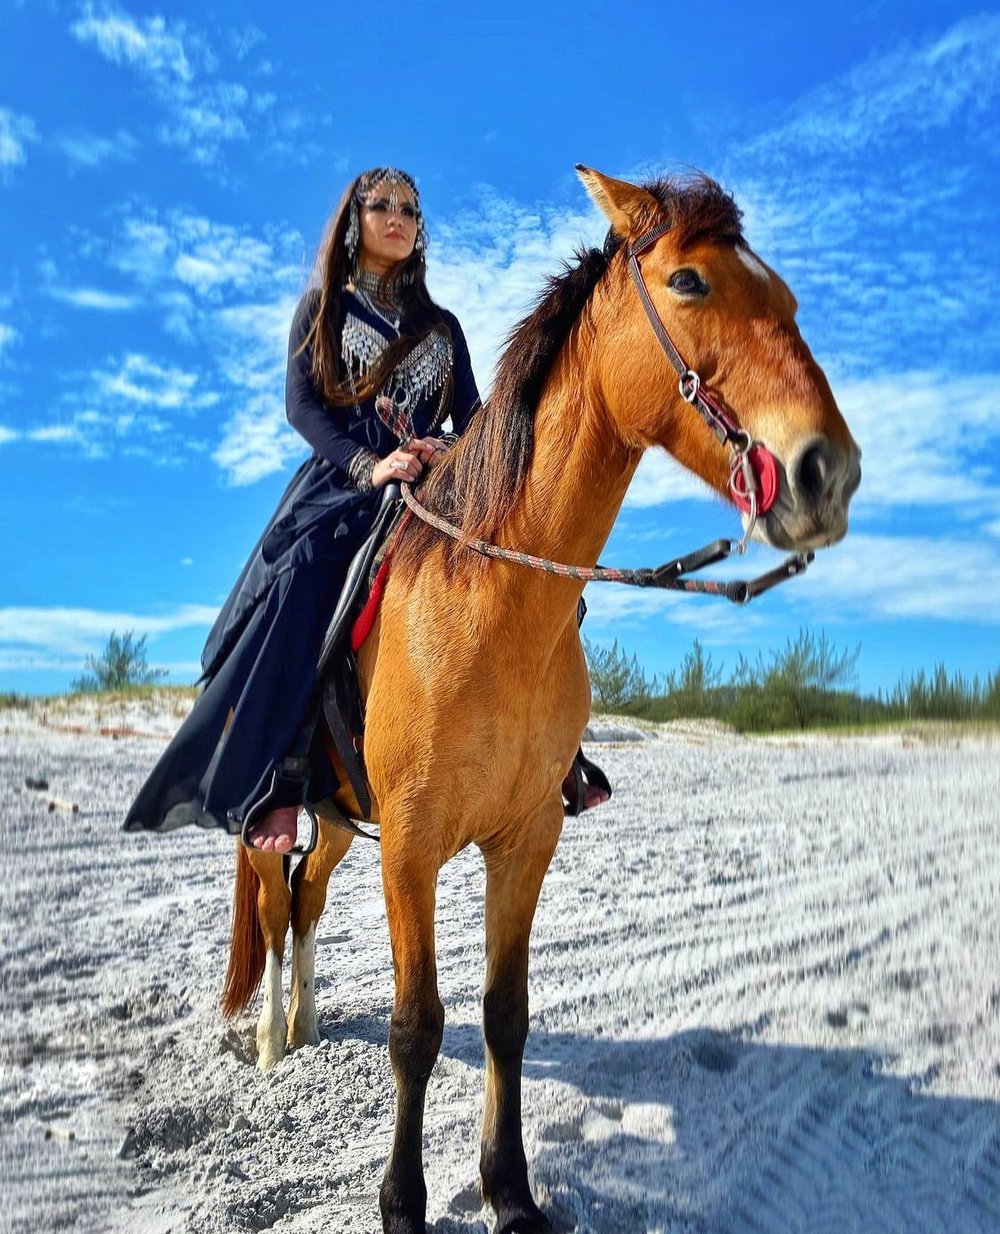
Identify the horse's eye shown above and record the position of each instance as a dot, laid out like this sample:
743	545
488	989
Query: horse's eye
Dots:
687	283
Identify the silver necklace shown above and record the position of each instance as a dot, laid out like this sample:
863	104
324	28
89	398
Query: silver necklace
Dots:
391	318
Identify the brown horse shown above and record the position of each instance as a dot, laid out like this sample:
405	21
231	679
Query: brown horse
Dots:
475	681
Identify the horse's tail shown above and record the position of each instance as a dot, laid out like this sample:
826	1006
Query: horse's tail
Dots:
246	945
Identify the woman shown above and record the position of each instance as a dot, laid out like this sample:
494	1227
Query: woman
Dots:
374	369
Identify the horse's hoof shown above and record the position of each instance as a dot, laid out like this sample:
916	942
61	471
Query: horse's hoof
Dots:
523	1219
298	1037
269	1054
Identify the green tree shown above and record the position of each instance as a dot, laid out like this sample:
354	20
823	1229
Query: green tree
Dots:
122	664
616	680
691	691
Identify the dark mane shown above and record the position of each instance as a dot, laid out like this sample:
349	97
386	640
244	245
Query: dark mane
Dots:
477	486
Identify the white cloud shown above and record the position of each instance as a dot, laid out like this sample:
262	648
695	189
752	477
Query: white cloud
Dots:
77	632
193	254
888	239
927	439
489	264
54	433
143	383
921	89
8	435
148	45
256	439
178	67
16	132
877	576
660	479
91	150
256	442
93	298
8	336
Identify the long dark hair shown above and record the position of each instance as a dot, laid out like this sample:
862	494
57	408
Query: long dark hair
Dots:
333	269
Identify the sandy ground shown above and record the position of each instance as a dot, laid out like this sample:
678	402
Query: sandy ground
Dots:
765	994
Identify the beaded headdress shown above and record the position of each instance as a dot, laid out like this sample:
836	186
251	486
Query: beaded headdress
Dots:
391	177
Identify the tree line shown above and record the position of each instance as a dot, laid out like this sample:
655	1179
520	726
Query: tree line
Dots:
809	683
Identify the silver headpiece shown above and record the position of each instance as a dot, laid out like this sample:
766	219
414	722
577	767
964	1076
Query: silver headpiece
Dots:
392	177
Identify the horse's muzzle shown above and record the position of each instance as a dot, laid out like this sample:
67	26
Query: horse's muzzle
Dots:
817	485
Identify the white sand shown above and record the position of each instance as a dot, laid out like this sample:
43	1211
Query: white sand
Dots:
764	997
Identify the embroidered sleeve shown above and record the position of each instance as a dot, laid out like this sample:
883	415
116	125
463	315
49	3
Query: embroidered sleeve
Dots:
360	469
324	428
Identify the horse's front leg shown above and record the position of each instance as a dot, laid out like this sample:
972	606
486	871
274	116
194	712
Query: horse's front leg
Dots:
514	877
409	877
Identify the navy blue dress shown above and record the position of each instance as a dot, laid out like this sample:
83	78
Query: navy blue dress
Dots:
259	663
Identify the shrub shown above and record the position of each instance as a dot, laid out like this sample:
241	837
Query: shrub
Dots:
616	681
120	666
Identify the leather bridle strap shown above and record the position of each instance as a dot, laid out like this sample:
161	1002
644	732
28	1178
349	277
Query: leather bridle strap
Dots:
717	418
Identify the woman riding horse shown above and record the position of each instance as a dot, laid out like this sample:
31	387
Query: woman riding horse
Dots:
375	368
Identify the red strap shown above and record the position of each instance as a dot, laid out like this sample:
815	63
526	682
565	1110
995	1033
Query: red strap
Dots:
365	620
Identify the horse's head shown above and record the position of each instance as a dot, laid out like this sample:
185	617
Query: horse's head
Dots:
732	319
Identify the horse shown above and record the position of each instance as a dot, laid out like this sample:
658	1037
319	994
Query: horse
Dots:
483	660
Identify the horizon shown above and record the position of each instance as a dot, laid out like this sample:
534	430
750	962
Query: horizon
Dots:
162	203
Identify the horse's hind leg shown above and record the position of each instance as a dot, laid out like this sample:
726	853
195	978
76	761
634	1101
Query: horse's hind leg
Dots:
513	881
309	884
409	877
274	904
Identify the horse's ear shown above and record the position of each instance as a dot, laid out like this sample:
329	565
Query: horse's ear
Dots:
627	206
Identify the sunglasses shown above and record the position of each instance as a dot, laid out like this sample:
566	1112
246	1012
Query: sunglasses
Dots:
382	205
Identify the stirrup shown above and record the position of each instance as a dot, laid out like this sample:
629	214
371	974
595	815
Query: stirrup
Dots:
285	790
585	775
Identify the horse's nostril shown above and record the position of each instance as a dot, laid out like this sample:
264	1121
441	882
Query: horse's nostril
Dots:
814	469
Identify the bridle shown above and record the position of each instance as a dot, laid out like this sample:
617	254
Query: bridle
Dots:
753	472
753	482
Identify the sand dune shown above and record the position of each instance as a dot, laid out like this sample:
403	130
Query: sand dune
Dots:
764	997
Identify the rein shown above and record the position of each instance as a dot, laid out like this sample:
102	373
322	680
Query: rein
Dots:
753	482
670	576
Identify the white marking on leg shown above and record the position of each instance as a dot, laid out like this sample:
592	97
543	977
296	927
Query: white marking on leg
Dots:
271	1027
752	262
303	1028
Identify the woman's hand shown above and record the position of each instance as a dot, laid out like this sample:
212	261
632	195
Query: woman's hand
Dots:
401	464
430	450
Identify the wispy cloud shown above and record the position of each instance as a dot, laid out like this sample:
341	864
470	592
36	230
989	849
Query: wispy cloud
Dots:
489	263
141	382
8	337
901	151
93	298
132	405
204	111
16	132
928	439
73	633
873	576
148	45
178	68
195	255
90	150
914	88
256	439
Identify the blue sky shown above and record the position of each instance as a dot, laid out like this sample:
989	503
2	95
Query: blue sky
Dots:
165	173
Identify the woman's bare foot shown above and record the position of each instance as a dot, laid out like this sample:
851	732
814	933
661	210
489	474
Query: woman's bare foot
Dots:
277	831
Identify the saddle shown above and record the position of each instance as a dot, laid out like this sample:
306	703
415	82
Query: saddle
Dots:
350	625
